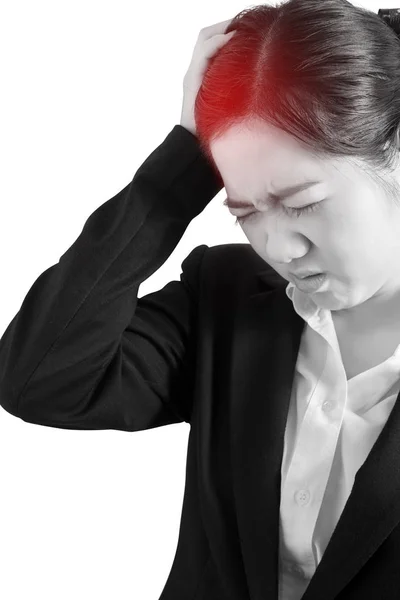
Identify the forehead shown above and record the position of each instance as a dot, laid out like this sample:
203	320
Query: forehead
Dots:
261	153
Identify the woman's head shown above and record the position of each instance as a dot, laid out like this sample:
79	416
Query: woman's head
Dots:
310	90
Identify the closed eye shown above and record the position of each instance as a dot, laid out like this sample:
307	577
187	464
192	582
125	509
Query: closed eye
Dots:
287	209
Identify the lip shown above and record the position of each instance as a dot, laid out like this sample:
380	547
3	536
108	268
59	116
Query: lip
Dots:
311	283
304	274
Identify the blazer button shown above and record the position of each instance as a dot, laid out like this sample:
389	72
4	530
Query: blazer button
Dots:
327	406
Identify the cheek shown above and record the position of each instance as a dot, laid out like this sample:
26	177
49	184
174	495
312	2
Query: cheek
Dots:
342	234
353	254
256	237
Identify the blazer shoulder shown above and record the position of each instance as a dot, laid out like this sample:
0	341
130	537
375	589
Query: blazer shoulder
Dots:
237	265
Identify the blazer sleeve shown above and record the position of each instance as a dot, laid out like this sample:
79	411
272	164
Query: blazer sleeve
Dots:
83	352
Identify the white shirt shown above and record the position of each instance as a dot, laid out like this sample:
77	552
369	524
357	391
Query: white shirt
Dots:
331	427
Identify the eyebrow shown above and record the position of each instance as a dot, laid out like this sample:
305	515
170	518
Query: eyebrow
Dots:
284	193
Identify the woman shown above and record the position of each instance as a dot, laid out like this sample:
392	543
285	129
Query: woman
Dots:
293	481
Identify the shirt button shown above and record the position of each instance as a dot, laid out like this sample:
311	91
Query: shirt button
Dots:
302	497
327	406
297	570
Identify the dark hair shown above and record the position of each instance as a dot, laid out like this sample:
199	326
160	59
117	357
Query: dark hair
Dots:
326	72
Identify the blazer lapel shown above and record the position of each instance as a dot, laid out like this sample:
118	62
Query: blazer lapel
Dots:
266	342
266	337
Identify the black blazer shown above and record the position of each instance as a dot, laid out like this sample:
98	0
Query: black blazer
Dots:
216	349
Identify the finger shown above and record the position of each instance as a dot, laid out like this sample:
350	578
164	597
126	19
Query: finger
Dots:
216	28
213	44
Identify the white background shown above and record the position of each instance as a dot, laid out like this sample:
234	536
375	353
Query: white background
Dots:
89	90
